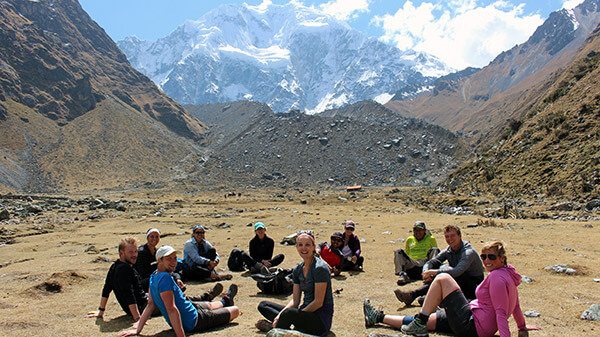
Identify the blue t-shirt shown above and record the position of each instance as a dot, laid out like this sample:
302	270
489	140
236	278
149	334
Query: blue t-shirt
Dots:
318	273
163	281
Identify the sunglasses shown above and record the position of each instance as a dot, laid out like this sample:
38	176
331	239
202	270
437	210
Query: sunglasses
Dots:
488	256
199	232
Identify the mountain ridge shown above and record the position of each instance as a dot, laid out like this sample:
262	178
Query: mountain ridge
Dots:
287	56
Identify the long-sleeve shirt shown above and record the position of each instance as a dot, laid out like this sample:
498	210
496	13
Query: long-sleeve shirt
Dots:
353	245
144	265
497	299
124	281
192	255
464	261
261	249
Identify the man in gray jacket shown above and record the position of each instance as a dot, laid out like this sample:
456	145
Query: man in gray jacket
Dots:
464	265
200	258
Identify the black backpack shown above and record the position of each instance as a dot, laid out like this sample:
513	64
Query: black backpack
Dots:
277	283
235	263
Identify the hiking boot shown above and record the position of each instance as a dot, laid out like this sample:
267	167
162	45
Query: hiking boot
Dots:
228	297
372	316
404	296
208	296
263	325
415	328
216	290
404	279
421	300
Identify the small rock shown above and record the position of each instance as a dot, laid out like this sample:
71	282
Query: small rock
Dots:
4	214
93	216
592	313
526	279
592	204
596	280
92	250
588	225
472	225
121	207
561	269
303	201
100	259
531	313
562	206
386	233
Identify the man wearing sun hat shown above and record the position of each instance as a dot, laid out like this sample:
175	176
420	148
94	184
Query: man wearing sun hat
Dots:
419	248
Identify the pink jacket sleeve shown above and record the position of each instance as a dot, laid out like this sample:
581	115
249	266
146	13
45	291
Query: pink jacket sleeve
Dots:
499	294
518	315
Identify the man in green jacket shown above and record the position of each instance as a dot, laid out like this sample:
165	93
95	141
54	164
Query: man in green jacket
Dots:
420	248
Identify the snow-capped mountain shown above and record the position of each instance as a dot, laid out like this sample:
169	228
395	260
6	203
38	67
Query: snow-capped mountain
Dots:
288	56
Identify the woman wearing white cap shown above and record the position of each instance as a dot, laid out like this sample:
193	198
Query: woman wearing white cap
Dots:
145	263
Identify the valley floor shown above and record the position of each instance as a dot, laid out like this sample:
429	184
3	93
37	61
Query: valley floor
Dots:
29	310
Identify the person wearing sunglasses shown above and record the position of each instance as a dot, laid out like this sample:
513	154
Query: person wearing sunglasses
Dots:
497	298
419	248
200	258
331	253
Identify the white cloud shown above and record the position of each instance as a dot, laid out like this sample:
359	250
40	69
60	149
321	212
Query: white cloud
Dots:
570	4
458	31
345	9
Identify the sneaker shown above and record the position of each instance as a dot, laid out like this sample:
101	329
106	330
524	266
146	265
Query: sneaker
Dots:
372	316
263	325
404	296
415	328
404	279
421	300
228	297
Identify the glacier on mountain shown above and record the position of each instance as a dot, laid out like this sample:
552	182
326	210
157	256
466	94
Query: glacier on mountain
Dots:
287	56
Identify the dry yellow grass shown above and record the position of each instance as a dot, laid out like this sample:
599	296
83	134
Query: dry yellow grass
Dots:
532	245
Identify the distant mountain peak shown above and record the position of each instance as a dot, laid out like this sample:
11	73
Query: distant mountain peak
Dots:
288	56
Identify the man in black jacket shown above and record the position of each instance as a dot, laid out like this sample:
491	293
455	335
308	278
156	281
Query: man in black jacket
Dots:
124	281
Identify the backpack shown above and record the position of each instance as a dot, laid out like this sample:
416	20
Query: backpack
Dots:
277	283
235	262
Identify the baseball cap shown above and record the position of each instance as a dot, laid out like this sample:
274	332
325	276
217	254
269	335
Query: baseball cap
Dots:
419	225
259	225
337	235
164	251
349	224
152	230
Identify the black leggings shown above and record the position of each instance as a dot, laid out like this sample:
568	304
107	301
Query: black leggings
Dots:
307	322
250	263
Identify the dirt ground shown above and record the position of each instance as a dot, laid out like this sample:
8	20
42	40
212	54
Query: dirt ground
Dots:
30	308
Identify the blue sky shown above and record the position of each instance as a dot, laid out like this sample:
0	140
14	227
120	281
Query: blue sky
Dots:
460	32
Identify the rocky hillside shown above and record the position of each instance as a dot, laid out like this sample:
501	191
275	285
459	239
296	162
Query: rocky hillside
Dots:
73	112
485	100
364	143
554	150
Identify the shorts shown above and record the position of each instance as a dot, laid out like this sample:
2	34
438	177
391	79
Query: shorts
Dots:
455	316
208	319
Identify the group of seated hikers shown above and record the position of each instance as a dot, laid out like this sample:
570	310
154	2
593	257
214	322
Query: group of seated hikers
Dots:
455	297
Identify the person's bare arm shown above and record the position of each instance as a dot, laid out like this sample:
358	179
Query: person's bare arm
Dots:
139	325
173	312
320	289
101	308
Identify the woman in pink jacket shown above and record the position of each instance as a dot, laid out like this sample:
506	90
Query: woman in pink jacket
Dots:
497	298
